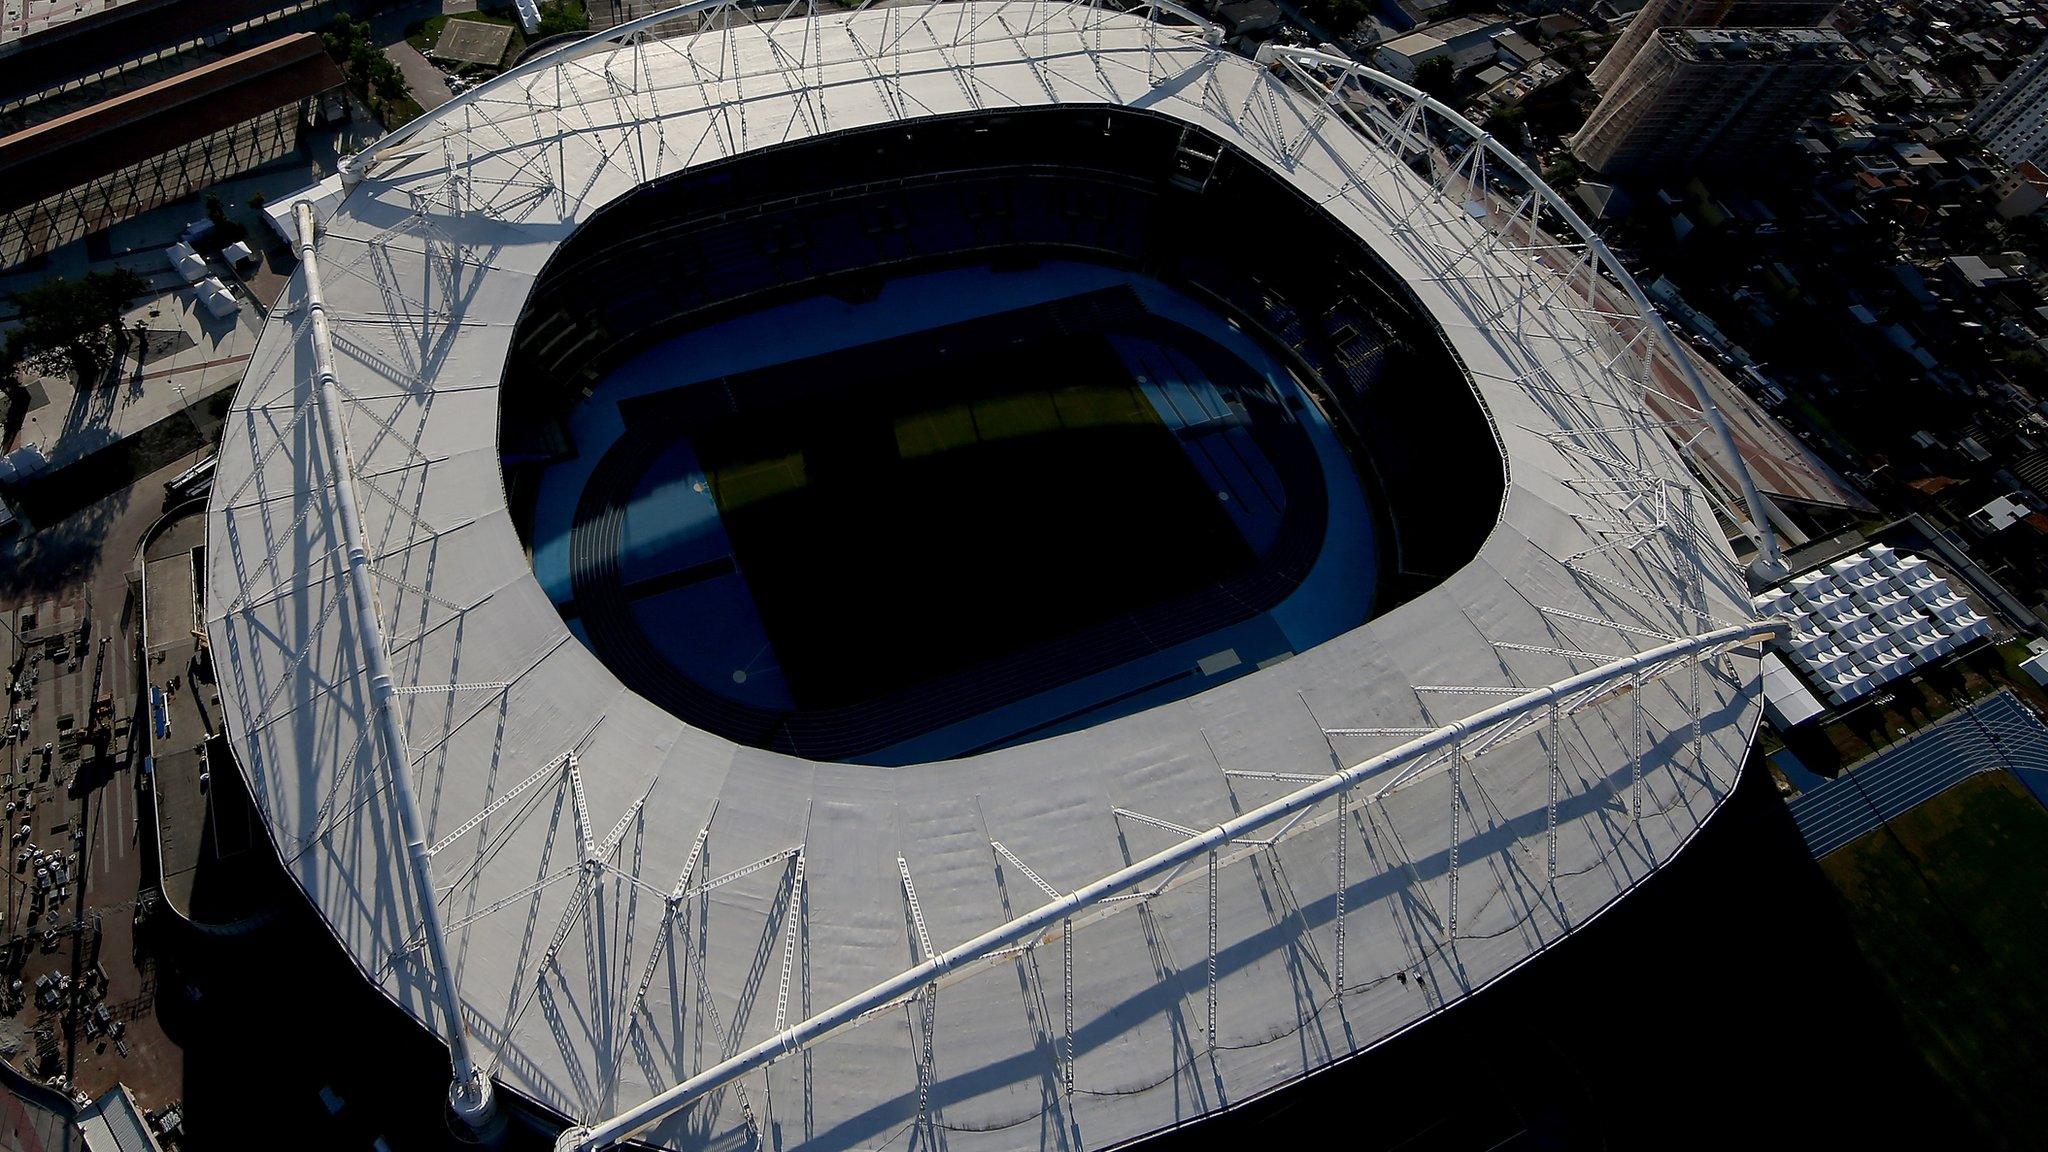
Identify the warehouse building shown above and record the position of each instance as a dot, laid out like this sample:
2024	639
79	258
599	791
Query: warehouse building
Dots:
70	177
117	48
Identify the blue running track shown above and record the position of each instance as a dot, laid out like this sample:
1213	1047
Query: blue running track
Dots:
1996	732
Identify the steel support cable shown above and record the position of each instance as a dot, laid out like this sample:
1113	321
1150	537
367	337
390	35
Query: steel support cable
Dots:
470	1091
354	168
1772	562
801	1035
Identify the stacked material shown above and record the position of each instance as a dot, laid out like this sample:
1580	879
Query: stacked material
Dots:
1868	619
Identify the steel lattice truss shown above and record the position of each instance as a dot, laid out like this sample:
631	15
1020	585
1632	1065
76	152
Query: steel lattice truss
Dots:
655	932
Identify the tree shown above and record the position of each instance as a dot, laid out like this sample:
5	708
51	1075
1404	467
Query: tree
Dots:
371	74
1563	174
361	65
1504	122
562	16
1436	77
73	326
343	35
387	81
1338	17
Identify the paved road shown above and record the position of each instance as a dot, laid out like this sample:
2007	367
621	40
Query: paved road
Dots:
429	86
81	564
1997	732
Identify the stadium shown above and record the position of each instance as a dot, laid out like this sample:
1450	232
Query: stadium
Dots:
995	575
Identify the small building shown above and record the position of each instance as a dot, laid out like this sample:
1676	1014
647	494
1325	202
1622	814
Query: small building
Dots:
1411	13
114	1123
1999	515
1977	273
1600	201
216	298
1514	50
2021	192
1915	286
1467	42
82	173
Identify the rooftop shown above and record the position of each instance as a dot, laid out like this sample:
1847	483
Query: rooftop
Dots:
1761	46
59	53
59	154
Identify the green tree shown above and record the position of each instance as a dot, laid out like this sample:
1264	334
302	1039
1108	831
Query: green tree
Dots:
1563	174
561	16
361	65
387	81
72	326
343	35
371	74
1436	77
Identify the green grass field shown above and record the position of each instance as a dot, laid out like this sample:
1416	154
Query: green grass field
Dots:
1950	906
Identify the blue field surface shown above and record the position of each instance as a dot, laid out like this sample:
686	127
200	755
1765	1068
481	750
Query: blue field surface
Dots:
683	576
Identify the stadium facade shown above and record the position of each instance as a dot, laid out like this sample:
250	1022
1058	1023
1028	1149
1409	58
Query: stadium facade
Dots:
653	931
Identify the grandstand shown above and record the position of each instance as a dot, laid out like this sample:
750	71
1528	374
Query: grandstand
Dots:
1107	202
1085	501
969	873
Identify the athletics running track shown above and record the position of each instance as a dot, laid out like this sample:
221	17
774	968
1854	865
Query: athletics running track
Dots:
1996	732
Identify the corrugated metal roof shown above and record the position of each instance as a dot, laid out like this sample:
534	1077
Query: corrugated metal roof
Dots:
71	150
107	39
113	1123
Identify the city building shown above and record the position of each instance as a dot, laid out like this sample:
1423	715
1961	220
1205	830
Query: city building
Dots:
2021	192
67	178
115	1123
2013	121
1660	14
1467	42
1696	96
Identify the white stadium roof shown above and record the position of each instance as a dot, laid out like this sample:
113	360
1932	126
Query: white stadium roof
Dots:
606	935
